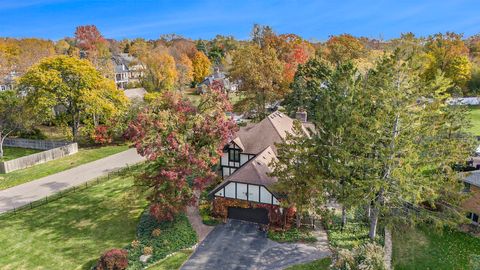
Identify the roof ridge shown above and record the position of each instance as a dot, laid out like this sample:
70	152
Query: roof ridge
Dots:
274	127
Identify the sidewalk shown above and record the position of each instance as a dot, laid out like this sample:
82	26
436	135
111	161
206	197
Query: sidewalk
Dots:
23	194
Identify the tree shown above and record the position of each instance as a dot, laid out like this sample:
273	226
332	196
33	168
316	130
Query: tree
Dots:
295	175
185	71
343	48
160	71
70	90
181	142
260	74
13	116
310	78
416	139
201	67
95	48
449	54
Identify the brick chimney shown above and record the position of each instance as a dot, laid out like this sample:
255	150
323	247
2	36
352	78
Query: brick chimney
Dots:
301	115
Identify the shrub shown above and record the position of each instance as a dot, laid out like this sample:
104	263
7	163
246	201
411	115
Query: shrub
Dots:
147	251
103	134
156	232
33	134
369	256
135	243
114	259
291	235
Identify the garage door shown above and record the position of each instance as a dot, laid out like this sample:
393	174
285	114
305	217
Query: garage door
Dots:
257	215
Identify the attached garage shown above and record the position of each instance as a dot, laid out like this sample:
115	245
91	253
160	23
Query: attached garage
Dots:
257	215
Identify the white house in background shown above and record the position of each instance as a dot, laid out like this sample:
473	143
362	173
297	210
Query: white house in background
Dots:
217	76
127	70
8	81
246	167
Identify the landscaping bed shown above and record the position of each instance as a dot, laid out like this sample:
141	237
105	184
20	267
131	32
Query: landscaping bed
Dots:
172	262
159	239
83	156
10	153
292	235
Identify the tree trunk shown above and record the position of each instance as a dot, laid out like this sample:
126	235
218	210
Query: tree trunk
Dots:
373	223
1	147
344	217
298	219
369	211
388	248
75	126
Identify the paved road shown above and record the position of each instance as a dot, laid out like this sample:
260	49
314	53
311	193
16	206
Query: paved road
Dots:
240	245
35	190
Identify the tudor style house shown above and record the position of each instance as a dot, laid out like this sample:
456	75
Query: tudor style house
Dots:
245	191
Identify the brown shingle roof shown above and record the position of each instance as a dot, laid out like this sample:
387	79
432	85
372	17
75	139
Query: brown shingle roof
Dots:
253	138
257	170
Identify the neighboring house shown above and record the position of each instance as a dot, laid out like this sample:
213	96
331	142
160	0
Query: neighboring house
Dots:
246	166
217	76
8	81
472	204
127	70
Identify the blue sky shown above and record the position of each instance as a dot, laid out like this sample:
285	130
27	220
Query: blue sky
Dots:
315	20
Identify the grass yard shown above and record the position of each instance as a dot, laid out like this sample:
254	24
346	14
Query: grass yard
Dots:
425	248
72	232
474	115
322	264
173	262
10	153
83	156
353	235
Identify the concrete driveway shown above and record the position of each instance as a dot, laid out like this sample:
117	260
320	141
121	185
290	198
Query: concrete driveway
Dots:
240	245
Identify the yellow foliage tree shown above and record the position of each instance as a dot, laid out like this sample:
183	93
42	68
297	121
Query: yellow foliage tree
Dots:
201	66
160	71
71	91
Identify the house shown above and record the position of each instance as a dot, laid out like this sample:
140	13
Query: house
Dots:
8	81
472	204
217	76
127	70
245	192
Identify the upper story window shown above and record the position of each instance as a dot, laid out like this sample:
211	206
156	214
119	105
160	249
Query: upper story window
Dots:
234	155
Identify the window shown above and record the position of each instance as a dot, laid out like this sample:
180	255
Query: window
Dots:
473	217
234	155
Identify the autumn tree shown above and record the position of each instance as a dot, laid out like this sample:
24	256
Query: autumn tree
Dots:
448	54
261	75
95	48
160	70
201	67
70	91
181	142
342	48
185	71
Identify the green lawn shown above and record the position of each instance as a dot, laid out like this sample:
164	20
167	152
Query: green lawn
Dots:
425	248
322	264
83	156
173	262
10	153
72	232
474	114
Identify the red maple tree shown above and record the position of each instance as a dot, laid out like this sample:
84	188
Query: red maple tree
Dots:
182	143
